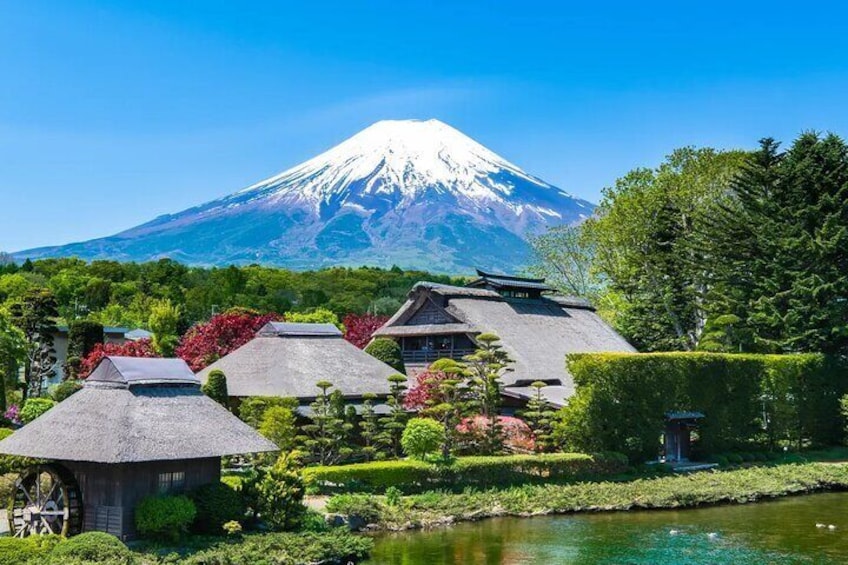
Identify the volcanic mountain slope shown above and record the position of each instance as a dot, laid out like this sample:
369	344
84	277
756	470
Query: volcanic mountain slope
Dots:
418	194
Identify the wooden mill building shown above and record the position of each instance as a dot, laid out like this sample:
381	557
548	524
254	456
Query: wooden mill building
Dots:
138	427
537	327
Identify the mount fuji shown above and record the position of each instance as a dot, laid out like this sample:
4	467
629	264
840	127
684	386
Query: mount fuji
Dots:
417	194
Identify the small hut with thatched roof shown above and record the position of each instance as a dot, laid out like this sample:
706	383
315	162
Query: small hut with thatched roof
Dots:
138	427
289	359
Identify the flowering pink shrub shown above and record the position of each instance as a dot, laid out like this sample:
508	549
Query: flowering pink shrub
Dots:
517	435
13	414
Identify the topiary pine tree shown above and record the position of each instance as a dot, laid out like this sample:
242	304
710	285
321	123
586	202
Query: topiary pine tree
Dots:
216	388
35	315
325	437
483	370
393	424
539	415
369	428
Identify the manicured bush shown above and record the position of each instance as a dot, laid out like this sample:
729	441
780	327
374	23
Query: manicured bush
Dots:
65	389
98	547
422	437
14	551
216	504
278	425
252	409
621	400
215	388
34	408
336	546
164	517
388	351
276	495
366	507
480	472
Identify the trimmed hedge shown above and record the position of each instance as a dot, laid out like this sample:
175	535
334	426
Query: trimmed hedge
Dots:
97	547
411	476
621	400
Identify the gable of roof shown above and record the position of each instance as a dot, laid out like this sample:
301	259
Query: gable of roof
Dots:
292	365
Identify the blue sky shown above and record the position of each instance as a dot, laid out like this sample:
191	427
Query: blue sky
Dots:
112	113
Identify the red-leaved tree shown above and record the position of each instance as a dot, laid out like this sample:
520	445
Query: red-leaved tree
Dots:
426	391
516	435
360	328
206	342
138	348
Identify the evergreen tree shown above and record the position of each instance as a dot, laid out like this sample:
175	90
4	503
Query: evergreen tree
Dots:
325	437
35	315
539	415
83	337
392	424
12	352
369	428
164	322
216	388
778	250
483	370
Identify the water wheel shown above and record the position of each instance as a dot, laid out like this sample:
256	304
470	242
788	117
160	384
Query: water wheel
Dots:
46	501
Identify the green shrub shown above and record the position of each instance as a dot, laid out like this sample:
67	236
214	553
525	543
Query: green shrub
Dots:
215	388
92	546
253	408
65	389
388	351
278	425
313	521
411	476
276	494
216	504
735	458
35	407
14	551
336	546
164	517
621	400
422	437
363	506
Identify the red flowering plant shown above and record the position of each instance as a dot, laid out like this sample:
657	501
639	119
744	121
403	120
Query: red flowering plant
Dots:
427	390
516	434
206	342
138	348
360	328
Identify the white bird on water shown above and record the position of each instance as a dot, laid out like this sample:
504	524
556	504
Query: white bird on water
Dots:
831	527
712	535
673	532
820	525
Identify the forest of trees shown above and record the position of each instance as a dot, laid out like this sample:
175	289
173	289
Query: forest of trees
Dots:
718	251
126	294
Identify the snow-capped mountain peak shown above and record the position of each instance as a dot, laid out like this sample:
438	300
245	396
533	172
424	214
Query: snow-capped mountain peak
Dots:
400	192
405	158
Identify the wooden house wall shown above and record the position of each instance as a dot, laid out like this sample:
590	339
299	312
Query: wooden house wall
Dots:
110	493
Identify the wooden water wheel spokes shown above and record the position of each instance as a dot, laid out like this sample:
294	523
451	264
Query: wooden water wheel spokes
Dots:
47	501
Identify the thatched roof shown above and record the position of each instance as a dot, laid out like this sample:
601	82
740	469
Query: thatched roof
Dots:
292	362
537	333
298	328
125	414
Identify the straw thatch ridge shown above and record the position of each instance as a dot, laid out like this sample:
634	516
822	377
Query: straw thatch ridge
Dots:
134	410
292	365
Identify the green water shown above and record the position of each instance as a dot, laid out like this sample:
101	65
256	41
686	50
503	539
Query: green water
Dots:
782	531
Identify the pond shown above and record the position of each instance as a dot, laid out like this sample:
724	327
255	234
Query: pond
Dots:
782	531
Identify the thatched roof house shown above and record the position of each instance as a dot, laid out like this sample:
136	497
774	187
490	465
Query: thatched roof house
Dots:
137	427
286	359
537	329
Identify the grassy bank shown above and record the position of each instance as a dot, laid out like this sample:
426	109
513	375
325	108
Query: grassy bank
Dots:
678	491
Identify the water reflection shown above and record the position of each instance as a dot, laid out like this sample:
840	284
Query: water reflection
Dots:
774	532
